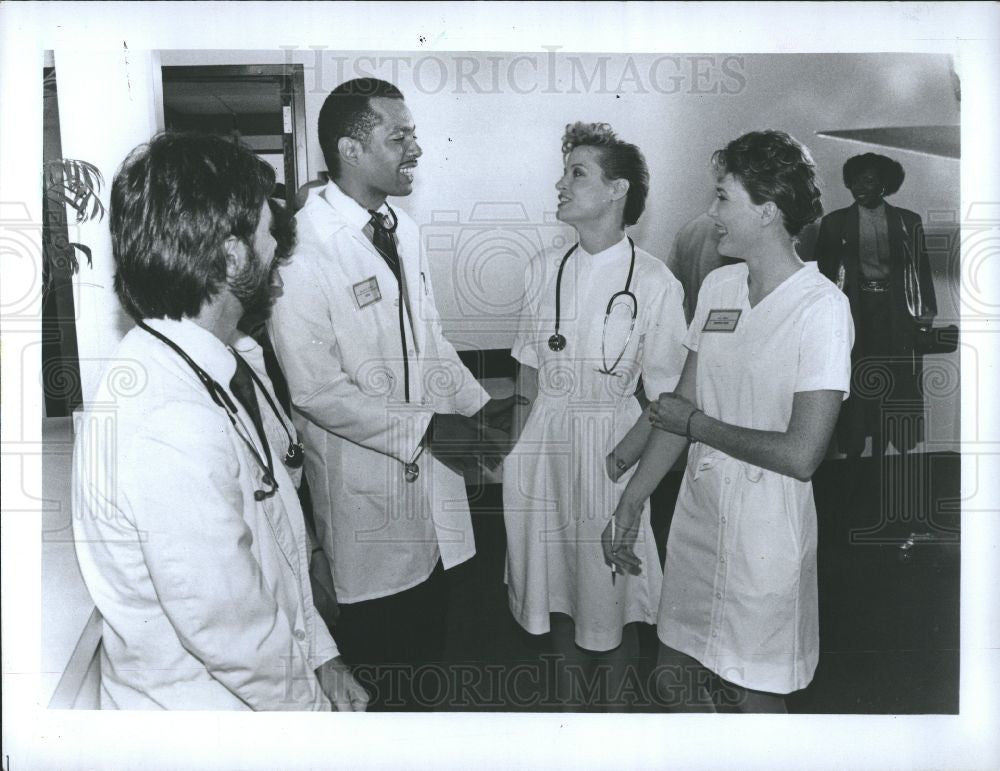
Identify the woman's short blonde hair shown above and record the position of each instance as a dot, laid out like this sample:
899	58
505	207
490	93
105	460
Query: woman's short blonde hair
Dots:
618	160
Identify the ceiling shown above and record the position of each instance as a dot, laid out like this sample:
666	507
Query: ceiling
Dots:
221	97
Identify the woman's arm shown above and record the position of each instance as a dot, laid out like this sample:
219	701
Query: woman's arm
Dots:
633	445
796	452
663	359
657	451
629	449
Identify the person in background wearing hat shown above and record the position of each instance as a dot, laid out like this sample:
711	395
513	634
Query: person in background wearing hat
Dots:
871	250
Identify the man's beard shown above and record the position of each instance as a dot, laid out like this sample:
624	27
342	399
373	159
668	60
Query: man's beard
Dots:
252	287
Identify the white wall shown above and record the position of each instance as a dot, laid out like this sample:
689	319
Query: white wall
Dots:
101	125
486	142
490	126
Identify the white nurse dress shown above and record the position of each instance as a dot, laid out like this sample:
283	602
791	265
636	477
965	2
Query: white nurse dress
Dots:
739	587
557	495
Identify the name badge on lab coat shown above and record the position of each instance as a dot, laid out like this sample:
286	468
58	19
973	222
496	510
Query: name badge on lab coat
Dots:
722	320
367	292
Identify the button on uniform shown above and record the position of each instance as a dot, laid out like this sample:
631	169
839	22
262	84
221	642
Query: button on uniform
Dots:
299	635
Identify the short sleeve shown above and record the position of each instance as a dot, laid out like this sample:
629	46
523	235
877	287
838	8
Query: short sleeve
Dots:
825	346
664	353
703	302
528	337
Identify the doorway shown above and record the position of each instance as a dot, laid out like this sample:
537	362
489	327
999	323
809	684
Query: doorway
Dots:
263	105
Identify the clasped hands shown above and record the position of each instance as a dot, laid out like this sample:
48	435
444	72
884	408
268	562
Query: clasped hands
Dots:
671	413
467	443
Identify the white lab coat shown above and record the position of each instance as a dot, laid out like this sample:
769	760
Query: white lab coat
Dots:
739	585
557	496
204	591
336	332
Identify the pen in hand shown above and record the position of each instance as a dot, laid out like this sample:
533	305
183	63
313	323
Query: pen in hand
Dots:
613	567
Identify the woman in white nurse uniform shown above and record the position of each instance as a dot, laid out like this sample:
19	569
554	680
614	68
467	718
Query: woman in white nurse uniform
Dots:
768	367
598	314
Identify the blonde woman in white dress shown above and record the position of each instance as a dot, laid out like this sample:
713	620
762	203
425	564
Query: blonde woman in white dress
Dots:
599	313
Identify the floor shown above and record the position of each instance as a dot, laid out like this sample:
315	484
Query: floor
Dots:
889	617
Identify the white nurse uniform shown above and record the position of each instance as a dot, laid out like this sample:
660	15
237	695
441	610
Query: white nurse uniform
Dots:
557	495
739	589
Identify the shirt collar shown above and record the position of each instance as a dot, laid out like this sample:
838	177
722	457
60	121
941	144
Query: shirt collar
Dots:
878	211
204	348
612	252
350	210
248	348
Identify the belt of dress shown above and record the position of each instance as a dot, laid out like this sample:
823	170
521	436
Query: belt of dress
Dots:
875	285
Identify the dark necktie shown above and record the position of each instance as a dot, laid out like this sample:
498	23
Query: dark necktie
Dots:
242	387
384	242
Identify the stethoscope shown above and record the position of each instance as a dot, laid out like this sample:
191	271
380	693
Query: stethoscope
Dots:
386	219
411	470
294	455
558	341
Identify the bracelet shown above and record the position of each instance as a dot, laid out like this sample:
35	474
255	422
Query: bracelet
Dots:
687	428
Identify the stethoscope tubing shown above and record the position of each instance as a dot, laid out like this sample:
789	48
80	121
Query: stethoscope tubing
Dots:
557	342
293	458
221	398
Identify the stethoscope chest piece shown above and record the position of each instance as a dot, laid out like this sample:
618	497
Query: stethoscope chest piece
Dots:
294	456
411	471
558	341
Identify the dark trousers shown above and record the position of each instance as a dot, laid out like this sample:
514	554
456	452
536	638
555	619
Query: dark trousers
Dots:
389	640
886	402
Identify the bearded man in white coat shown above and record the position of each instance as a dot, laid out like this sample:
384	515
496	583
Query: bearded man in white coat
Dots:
376	390
189	533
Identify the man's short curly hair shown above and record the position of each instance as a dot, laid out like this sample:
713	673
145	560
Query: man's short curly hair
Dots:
772	166
618	159
347	112
890	172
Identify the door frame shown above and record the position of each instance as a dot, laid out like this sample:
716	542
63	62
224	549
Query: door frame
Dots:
290	79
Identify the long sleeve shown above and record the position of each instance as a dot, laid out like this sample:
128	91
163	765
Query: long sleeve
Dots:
309	351
924	274
188	509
